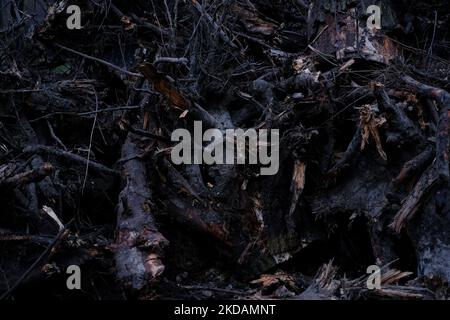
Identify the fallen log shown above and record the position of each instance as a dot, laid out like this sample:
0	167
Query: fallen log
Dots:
139	245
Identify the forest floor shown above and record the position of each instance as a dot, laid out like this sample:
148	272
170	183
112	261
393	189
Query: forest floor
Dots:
87	177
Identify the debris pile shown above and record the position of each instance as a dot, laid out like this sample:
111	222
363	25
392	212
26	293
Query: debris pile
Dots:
87	176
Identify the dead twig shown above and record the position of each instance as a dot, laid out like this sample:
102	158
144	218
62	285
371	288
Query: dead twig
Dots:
34	175
106	63
61	235
40	149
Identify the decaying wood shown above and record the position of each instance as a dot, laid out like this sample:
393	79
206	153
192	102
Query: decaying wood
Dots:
163	86
406	125
413	202
442	98
363	174
44	150
297	184
352	148
415	166
34	175
139	246
369	124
